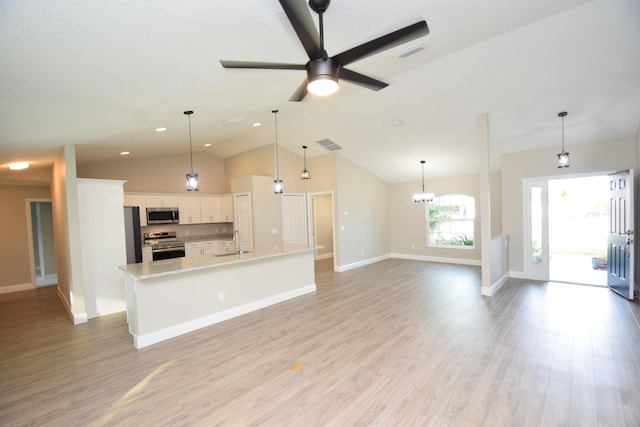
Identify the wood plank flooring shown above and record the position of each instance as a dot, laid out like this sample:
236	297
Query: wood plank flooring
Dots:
396	343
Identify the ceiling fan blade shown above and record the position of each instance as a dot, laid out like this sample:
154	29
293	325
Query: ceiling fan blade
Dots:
388	41
262	65
302	22
361	79
300	92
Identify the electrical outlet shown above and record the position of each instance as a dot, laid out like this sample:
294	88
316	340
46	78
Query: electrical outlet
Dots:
413	247
362	252
220	295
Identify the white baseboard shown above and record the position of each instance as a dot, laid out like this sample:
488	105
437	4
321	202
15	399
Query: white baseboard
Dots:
144	340
491	291
443	260
16	288
341	268
76	318
517	274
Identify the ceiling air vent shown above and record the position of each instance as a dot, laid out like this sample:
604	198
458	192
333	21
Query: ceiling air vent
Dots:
411	51
329	145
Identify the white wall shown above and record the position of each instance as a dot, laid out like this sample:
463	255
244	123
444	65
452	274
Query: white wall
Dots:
362	216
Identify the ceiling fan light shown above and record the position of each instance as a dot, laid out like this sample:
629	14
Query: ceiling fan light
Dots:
323	85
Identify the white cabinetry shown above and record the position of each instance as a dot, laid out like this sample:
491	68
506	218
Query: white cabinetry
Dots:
226	246
189	207
161	201
210	209
207	247
226	208
140	201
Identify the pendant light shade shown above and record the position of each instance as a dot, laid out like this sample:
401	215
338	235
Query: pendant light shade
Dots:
563	157
192	178
422	196
305	172
278	187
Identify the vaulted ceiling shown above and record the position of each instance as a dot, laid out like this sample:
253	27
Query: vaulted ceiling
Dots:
103	75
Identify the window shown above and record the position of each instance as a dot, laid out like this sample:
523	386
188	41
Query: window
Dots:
451	221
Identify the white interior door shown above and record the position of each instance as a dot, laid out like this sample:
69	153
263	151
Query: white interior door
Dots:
620	250
294	219
536	229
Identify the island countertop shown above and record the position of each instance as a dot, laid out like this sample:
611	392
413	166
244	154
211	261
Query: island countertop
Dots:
153	269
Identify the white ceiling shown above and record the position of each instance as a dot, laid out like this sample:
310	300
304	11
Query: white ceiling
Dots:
104	74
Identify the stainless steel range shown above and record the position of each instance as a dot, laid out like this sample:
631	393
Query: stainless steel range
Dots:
164	245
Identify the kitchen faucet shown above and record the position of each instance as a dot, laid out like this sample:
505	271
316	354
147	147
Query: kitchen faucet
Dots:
237	238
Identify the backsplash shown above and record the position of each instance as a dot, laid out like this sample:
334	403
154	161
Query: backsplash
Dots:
219	228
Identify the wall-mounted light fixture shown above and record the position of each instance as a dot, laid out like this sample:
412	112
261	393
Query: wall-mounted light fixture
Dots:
277	183
305	172
422	196
563	157
192	178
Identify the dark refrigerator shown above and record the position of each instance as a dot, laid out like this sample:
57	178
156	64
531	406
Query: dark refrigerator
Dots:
132	234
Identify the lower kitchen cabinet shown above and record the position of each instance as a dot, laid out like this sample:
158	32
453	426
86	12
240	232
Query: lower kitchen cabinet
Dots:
207	247
226	246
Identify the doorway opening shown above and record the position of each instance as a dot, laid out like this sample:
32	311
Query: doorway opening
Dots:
578	212
43	256
321	232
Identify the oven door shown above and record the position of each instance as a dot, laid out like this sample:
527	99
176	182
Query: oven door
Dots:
168	253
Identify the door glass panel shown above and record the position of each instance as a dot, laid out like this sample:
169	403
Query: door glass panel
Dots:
536	225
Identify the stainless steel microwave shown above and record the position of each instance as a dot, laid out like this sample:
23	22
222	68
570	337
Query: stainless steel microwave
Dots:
163	216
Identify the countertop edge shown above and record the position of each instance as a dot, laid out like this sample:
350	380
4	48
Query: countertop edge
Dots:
174	266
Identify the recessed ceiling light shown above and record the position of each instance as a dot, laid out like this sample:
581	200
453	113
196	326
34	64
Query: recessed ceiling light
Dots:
207	145
161	129
18	166
233	120
256	124
124	153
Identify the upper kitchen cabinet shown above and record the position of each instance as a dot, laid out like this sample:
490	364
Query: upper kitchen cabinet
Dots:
226	208
189	207
140	201
161	201
210	209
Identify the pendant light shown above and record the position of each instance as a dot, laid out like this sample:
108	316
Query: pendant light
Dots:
563	157
277	183
192	178
305	172
422	196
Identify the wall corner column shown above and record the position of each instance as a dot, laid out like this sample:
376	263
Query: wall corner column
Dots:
485	204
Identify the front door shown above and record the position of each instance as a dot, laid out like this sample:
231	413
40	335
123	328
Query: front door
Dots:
620	241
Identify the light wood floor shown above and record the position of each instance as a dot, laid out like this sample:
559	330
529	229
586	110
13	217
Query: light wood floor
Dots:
397	343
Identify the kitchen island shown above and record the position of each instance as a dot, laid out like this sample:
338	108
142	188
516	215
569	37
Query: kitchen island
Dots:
172	297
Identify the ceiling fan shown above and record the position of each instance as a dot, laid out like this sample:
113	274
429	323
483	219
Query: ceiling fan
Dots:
323	71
